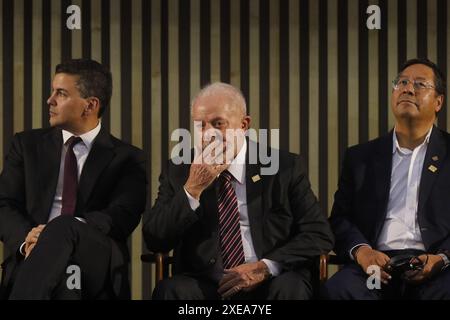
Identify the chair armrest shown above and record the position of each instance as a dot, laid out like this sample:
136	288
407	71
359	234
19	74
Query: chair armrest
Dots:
323	263
161	261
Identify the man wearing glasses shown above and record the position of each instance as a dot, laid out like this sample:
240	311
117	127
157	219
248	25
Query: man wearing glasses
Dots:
393	200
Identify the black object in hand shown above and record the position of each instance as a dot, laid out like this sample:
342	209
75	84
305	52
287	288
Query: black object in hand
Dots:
400	264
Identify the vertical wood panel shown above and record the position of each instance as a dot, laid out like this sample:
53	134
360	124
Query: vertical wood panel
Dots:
156	97
28	64
18	78
333	126
195	53
374	103
448	62
37	64
1	102
136	134
156	130
342	78
432	30
383	77
441	53
274	68
215	40
313	153
294	77
76	33
284	70
353	81
235	49
411	28
173	70
96	24
115	56
393	53
254	63
55	35
363	73
184	63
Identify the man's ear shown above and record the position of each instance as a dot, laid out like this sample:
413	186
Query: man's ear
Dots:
245	125
92	106
439	103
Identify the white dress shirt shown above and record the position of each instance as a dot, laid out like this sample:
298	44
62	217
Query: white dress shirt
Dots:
237	169
401	229
81	151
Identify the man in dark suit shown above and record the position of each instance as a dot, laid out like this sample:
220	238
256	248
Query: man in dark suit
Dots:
393	199
70	196
237	233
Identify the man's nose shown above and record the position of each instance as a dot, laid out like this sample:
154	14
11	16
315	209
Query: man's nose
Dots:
409	88
51	100
207	127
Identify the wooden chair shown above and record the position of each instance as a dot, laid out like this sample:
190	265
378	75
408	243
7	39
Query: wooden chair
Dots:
162	262
326	260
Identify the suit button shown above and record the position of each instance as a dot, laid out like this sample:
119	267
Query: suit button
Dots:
212	261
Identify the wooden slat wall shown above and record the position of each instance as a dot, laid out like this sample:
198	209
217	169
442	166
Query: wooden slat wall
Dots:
310	68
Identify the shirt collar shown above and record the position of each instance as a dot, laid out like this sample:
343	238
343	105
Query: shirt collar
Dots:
237	166
396	146
88	137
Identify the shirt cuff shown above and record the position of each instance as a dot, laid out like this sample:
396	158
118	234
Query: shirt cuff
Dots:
358	245
22	249
194	203
274	267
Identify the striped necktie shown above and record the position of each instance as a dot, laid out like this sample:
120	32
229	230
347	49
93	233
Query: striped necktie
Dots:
229	226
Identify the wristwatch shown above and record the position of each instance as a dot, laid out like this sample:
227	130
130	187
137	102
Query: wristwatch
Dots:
444	254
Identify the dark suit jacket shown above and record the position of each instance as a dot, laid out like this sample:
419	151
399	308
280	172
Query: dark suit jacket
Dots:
286	222
360	204
111	196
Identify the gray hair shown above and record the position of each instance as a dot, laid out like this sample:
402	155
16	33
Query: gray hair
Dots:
233	94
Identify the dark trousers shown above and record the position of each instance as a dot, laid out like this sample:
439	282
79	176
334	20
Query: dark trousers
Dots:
350	284
291	285
65	241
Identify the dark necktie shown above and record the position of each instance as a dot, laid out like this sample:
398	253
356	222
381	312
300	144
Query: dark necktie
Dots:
229	226
70	186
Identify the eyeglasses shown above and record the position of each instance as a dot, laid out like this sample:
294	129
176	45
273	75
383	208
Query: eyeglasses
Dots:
418	85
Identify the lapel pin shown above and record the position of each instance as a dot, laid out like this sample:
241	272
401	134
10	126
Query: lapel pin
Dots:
256	178
432	168
435	158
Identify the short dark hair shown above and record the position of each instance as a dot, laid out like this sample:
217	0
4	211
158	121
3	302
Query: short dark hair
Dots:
95	80
439	77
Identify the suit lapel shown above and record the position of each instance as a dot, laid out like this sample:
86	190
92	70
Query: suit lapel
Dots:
49	158
99	157
436	152
211	211
382	171
254	189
